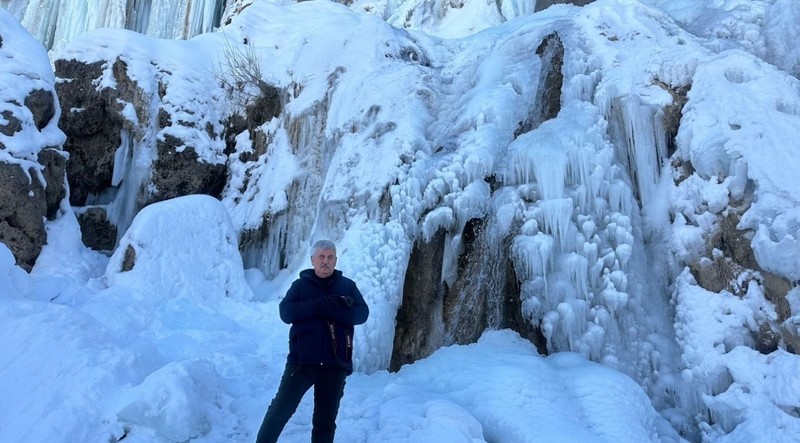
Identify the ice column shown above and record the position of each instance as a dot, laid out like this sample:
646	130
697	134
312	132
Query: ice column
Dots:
181	18
644	140
132	163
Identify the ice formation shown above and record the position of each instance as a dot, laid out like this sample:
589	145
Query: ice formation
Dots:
56	22
390	135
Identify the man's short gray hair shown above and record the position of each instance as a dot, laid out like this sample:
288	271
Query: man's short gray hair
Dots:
322	244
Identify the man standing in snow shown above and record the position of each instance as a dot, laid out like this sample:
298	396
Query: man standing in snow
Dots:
322	306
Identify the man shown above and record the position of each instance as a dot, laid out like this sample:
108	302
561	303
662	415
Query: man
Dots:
322	306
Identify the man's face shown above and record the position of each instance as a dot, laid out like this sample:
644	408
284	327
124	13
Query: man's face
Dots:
323	260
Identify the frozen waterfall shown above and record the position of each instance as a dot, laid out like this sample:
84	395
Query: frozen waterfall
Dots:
56	22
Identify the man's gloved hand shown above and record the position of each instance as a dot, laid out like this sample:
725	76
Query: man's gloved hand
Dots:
326	305
344	300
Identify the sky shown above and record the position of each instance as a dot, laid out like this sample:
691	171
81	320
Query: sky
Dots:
187	346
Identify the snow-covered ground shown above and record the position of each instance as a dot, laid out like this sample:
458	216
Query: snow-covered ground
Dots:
175	349
187	345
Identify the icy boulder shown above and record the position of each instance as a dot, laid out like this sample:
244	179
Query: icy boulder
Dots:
183	247
174	400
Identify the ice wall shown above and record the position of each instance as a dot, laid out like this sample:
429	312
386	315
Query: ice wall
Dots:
56	22
378	163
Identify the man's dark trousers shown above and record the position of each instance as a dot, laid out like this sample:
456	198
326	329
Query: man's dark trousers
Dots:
328	385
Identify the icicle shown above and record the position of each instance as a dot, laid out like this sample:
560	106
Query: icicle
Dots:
619	279
592	341
619	197
40	19
623	253
124	206
507	207
532	255
550	168
580	195
78	16
122	158
577	270
549	322
471	202
203	16
441	217
588	228
557	219
645	143
278	229
139	19
530	294
580	167
570	323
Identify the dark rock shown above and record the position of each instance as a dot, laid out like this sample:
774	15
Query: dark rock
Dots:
716	275
735	258
733	242
673	113
164	118
465	308
419	318
91	165
12	127
84	108
180	172
775	290
91	127
55	166
97	232
22	212
129	260
551	80
790	332
544	4
42	105
766	339
234	125
486	292
265	107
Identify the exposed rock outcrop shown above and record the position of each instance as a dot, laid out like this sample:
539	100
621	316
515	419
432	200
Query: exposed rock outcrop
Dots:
544	4
97	232
92	127
551	79
419	329
104	137
22	212
178	171
729	263
32	183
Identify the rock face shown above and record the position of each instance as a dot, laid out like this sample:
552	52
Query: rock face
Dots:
92	128
736	265
180	172
544	4
101	158
419	329
96	231
32	183
25	202
22	210
485	292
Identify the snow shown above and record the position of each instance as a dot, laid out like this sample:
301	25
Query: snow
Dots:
178	361
25	68
176	337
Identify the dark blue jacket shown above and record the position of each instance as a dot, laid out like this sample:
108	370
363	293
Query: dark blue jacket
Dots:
322	324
